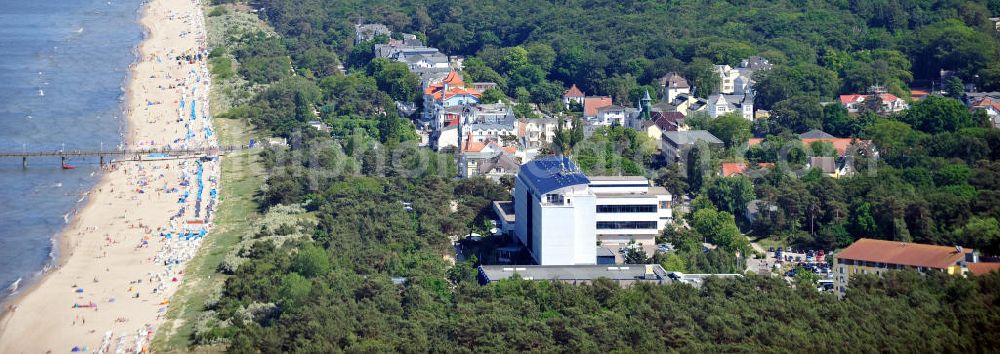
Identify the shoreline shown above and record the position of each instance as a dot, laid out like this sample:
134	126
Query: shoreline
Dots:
78	243
61	241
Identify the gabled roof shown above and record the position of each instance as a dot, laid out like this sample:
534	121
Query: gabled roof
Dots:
592	103
505	161
903	253
827	164
690	137
472	146
816	134
551	173
839	144
454	79
668	121
673	80
573	92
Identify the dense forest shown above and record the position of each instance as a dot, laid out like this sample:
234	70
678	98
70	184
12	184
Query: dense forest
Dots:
365	272
336	292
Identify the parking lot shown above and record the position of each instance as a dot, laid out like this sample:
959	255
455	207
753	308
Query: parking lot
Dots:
789	261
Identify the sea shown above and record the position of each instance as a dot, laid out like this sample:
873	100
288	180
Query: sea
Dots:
63	66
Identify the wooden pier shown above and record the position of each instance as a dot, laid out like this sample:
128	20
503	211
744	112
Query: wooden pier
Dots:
122	154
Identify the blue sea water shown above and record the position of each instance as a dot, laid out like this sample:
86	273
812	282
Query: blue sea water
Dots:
63	64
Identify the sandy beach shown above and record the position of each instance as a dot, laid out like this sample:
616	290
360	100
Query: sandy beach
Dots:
123	254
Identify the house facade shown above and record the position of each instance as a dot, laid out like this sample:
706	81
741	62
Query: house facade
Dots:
439	96
719	104
672	85
573	94
888	103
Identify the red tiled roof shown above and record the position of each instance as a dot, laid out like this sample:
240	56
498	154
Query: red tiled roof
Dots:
573	92
454	79
983	268
983	102
915	93
730	169
592	103
457	91
472	146
839	144
886	97
903	253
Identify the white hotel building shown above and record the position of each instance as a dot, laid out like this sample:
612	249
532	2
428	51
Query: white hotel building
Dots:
563	217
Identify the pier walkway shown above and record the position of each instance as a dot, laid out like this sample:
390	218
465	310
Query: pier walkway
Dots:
122	154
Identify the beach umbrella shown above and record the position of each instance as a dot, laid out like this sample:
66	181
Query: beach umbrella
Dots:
75	349
79	290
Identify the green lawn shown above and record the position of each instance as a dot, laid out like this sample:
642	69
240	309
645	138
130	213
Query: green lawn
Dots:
242	176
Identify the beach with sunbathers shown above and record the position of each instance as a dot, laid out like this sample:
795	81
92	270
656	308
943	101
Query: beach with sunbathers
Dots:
124	252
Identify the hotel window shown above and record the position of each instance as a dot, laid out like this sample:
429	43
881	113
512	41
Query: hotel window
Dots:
631	225
665	204
554	199
629	208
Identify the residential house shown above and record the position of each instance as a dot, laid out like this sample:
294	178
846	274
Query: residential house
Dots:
479	123
536	133
816	134
367	32
573	94
869	256
665	122
991	106
488	159
727	78
744	82
676	144
843	146
563	217
450	91
825	164
592	103
996	23
688	103
611	115
888	103
672	85
719	104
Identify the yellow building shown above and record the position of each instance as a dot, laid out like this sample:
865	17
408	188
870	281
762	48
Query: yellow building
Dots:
868	256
